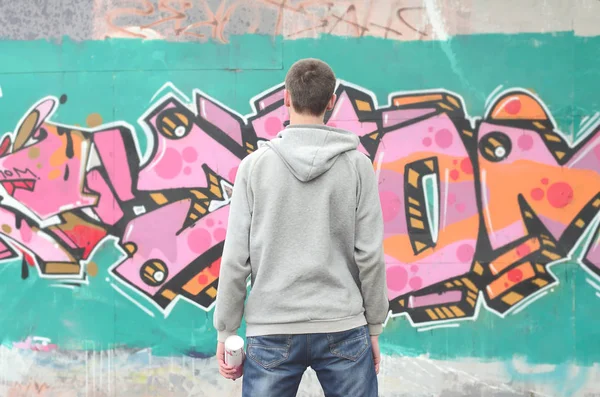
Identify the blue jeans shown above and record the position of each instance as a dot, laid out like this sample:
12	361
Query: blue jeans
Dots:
343	362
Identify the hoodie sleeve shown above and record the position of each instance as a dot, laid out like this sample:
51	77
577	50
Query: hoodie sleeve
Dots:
368	247
235	261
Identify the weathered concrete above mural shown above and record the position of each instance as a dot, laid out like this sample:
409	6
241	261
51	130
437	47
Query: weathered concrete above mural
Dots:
219	19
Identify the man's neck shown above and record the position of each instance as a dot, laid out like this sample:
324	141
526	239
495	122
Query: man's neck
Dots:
305	119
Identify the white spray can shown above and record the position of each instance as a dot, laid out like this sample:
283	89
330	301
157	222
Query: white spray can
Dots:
234	351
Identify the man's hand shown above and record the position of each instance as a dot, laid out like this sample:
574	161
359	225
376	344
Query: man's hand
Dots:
376	352
226	371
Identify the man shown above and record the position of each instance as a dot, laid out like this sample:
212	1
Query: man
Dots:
305	224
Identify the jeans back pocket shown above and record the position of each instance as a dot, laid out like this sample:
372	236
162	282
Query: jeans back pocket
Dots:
349	344
269	351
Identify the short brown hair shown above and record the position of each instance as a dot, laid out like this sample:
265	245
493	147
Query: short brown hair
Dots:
311	83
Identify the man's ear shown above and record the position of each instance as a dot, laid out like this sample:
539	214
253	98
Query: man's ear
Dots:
287	98
331	103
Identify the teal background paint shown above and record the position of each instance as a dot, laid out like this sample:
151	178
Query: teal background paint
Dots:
117	79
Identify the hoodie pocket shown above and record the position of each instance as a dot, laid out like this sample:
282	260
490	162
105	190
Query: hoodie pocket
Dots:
269	351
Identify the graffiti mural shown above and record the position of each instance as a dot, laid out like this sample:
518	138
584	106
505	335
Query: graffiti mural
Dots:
476	209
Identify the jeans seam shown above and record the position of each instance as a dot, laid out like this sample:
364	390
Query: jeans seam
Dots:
308	350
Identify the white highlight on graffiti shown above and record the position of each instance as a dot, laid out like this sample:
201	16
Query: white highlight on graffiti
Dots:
216	204
524	305
591	121
423	329
514	99
170	87
139	210
500	151
493	95
203	108
0	91
432	218
583	133
89	211
120	291
598	294
128	232
379	162
583	120
486	202
592	283
62	286
159	276
337	108
93	159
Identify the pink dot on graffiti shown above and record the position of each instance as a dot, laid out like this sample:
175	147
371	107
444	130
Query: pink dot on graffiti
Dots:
199	240
220	234
513	106
169	166
273	125
390	205
202	279
466	166
525	142
233	174
465	253
523	250
443	138
451	198
454	174
414	268
430	129
427	141
560	194
545	181
415	283
210	223
461	207
397	278
189	154
537	194
515	275
187	170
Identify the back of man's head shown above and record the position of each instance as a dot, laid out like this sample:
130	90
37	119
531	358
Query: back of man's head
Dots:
311	84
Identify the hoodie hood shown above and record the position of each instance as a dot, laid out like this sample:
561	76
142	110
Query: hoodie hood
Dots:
311	150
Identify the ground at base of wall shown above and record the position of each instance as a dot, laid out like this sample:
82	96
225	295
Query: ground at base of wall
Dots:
138	373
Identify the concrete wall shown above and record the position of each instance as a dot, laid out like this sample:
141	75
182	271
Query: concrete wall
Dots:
125	121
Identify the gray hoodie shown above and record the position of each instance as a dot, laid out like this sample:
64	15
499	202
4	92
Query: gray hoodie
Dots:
305	224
